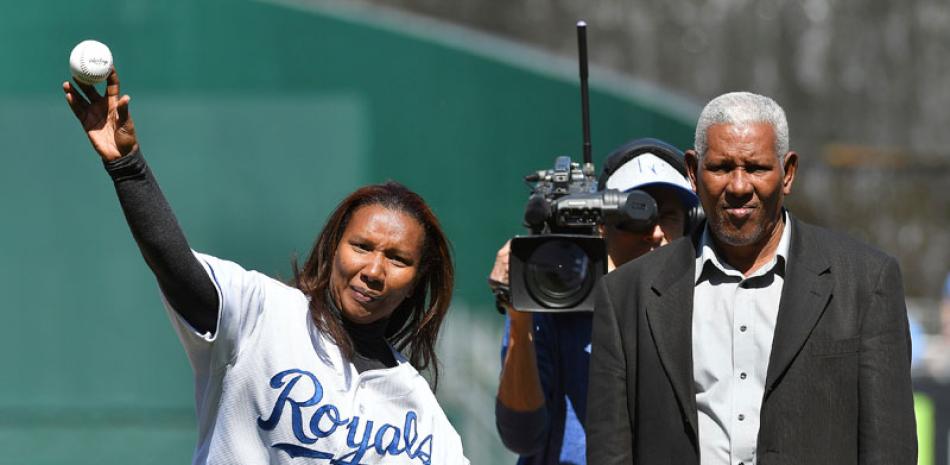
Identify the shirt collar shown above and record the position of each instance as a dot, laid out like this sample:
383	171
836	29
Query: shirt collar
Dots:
708	255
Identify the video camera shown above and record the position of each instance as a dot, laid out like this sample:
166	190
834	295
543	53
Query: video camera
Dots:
555	268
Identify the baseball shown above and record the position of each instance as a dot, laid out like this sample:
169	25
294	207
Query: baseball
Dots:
90	62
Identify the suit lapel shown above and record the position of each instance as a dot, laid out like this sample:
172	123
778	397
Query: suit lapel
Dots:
805	296
669	313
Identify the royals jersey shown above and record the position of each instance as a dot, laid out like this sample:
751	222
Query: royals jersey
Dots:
270	388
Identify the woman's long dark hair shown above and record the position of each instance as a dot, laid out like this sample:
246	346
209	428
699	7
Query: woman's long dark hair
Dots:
414	326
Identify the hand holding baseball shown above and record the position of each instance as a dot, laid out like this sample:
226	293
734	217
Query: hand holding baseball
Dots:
105	119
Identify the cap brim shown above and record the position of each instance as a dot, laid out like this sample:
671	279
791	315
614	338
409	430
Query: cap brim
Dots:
687	196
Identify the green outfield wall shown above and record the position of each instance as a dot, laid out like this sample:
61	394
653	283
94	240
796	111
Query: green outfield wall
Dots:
256	118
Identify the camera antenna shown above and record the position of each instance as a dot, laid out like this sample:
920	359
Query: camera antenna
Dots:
585	100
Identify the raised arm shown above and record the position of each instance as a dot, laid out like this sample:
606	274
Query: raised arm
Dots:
110	129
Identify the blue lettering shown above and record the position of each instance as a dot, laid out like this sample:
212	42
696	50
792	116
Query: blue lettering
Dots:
409	427
424	452
284	399
380	441
295	451
326	420
330	412
357	454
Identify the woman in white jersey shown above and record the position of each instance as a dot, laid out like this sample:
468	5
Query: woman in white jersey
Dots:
309	373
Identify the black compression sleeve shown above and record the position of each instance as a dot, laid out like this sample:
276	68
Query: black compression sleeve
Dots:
181	277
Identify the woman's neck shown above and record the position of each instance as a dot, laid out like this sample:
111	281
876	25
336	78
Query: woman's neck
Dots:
371	350
366	333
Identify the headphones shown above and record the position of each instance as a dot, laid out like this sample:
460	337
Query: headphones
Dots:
666	152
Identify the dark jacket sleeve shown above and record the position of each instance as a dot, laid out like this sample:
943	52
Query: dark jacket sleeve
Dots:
523	433
887	433
609	427
181	277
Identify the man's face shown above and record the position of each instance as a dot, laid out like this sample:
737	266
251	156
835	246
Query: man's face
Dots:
623	246
741	182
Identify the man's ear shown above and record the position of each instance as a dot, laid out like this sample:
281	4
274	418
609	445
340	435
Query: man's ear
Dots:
790	164
692	167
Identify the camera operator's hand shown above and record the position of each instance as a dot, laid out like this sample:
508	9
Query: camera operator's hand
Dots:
499	272
499	279
498	282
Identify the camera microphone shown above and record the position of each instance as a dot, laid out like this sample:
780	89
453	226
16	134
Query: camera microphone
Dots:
536	212
585	95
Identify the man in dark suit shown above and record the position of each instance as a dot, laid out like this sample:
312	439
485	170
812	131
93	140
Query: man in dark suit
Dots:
761	339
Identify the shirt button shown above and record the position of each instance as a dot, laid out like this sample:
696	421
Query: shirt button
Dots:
742	375
743	328
741	417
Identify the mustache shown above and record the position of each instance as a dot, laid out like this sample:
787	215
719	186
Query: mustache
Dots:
727	204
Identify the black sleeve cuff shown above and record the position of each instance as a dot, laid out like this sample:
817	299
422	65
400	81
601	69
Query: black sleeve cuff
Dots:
130	166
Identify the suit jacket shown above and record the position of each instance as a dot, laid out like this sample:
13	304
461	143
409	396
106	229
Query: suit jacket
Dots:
838	388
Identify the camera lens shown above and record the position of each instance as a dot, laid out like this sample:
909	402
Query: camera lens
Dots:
559	274
638	213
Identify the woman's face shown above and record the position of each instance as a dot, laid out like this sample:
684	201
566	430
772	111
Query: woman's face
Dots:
377	262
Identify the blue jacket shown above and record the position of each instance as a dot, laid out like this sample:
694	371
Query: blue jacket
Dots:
554	435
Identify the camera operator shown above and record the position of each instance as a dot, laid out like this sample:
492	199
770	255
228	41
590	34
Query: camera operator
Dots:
542	395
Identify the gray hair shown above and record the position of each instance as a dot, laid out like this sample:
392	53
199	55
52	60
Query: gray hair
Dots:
743	108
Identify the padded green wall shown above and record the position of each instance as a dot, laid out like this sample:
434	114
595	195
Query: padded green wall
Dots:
257	119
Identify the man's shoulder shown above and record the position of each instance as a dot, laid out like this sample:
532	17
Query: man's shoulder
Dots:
648	265
837	246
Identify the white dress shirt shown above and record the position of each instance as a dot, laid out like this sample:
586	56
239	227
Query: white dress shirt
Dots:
733	324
